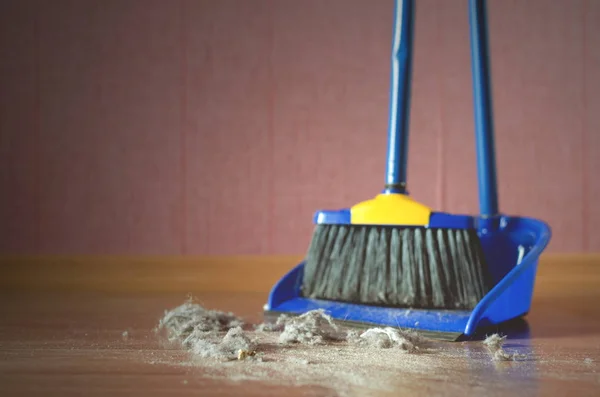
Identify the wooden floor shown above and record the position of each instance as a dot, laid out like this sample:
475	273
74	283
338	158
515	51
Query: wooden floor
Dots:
64	336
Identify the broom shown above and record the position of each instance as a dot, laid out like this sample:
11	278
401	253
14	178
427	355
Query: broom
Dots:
391	250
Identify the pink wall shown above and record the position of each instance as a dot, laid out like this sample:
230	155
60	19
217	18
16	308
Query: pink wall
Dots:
219	127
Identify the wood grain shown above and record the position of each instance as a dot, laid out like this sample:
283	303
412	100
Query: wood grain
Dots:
63	320
144	274
244	273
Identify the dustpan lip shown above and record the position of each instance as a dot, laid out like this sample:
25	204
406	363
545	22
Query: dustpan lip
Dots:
543	234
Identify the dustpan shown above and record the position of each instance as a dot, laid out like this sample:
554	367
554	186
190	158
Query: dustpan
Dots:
511	245
512	252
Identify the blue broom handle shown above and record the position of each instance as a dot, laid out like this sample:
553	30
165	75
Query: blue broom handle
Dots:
484	121
401	74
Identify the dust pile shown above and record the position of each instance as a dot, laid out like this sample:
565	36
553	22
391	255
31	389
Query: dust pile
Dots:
183	320
314	327
201	331
277	326
386	338
495	343
308	350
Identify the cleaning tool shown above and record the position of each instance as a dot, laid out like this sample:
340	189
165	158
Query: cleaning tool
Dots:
391	261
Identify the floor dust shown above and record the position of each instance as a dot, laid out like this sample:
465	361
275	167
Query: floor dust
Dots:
386	338
310	350
313	328
495	344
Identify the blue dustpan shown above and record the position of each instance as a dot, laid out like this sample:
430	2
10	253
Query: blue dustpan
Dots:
511	245
512	252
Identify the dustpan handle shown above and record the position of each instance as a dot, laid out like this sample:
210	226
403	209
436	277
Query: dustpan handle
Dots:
401	74
482	98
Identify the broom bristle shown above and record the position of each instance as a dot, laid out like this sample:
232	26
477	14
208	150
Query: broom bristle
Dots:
396	266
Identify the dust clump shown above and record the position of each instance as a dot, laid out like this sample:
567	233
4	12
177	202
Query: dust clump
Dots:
190	317
386	338
502	355
200	331
209	344
236	339
494	344
353	337
494	341
277	326
313	328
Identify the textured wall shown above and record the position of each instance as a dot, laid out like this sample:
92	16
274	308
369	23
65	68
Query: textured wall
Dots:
219	127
